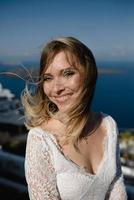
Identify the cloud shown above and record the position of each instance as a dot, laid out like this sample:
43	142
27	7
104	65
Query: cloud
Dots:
12	57
26	52
119	51
9	62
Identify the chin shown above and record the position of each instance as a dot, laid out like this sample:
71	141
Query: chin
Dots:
65	110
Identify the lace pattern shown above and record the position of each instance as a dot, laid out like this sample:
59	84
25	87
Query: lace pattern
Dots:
117	188
39	170
43	160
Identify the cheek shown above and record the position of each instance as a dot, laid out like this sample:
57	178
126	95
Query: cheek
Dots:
77	82
46	90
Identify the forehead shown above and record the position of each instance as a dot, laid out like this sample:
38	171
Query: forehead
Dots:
61	60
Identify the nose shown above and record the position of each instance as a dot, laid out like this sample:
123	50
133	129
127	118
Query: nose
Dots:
58	86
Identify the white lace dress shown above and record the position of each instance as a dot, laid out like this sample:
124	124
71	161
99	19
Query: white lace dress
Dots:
52	176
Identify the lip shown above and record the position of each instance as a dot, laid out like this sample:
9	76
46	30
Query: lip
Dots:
62	98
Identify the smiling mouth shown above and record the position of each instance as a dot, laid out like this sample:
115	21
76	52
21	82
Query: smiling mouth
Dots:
62	98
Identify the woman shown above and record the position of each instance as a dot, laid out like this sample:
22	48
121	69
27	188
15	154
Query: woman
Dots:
72	152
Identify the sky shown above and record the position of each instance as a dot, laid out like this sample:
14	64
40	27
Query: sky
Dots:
105	26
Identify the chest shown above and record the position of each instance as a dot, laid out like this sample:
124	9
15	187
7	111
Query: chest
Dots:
91	149
89	156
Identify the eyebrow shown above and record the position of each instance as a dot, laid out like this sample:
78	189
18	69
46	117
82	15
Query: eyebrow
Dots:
61	71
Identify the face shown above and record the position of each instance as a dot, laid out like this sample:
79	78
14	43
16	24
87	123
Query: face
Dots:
63	82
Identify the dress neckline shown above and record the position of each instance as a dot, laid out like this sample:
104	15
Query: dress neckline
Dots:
82	168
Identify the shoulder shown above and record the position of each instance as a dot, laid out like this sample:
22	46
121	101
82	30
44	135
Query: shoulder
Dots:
109	118
37	135
111	124
35	132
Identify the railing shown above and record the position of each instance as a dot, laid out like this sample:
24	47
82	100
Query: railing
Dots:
12	178
12	174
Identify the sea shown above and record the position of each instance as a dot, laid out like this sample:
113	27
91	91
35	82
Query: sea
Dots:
114	94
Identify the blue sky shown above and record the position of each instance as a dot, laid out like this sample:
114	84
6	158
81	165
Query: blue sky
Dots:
105	26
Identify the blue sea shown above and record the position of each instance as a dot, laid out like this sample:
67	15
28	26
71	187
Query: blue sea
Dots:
114	91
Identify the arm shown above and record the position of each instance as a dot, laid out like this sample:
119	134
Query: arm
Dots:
117	188
39	171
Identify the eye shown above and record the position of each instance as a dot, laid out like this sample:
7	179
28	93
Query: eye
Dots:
47	78
68	73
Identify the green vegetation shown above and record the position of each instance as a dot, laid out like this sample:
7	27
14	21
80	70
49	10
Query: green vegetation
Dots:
13	144
126	135
126	140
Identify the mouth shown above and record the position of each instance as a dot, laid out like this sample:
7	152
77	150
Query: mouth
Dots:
62	98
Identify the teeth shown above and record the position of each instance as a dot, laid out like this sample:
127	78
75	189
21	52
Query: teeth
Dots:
62	98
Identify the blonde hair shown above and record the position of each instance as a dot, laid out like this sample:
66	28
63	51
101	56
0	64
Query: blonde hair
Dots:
39	109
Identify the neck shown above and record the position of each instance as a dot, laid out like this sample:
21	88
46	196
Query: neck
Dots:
61	117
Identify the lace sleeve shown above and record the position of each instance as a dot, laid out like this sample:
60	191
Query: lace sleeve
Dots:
39	170
117	188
